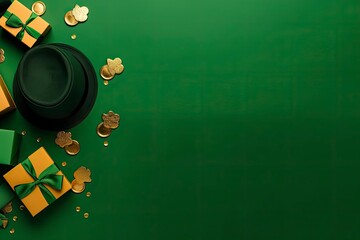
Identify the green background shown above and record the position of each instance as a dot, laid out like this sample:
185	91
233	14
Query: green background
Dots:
239	120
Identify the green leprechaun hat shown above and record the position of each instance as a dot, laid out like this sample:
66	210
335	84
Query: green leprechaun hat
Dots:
55	86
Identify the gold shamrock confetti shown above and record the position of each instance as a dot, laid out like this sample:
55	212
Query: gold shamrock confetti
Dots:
111	120
63	139
2	55
115	66
4	223
82	174
80	13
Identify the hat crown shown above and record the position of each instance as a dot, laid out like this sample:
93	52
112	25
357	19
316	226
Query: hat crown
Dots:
45	78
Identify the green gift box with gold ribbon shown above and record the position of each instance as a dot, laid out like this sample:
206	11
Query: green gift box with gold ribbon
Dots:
9	147
37	181
23	24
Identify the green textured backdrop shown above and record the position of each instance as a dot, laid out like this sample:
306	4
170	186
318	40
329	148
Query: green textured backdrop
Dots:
240	120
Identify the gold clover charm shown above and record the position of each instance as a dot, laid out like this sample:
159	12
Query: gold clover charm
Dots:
80	13
82	174
115	66
63	139
2	55
111	120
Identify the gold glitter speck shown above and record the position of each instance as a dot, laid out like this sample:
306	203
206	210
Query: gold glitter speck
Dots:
38	140
77	209
12	231
63	164
21	207
73	37
106	83
15	218
88	194
106	143
86	215
23	133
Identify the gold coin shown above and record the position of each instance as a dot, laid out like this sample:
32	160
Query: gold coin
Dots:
105	73
21	207
77	209
2	58
8	208
102	131
73	36
73	148
106	82
38	8
70	19
77	187
86	215
63	164
23	133
106	143
15	218
88	194
12	231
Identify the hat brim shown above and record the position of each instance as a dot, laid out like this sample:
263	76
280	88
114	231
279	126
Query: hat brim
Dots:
79	114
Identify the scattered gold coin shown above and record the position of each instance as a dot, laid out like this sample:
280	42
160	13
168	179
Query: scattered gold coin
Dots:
82	174
106	83
15	218
70	19
105	73
80	13
63	139
106	143
12	231
77	209
115	66
2	55
111	120
73	148
88	194
77	187
38	8
86	215
22	207
102	131
23	133
63	164
8	208
73	36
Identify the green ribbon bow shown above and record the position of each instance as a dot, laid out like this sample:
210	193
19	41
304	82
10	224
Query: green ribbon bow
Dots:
2	217
15	22
47	177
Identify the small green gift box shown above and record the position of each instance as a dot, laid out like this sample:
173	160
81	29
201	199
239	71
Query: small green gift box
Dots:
6	193
9	147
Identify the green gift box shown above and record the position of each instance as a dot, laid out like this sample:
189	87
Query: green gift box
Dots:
6	193
9	147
